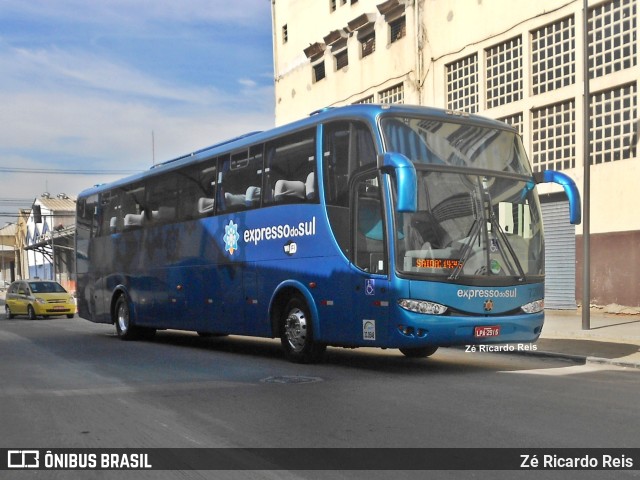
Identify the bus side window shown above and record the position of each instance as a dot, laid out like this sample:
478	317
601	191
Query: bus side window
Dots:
347	146
161	204
290	174
111	216
132	201
241	180
369	239
208	178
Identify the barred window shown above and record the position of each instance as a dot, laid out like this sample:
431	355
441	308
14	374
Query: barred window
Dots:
394	94
285	33
462	84
342	59
504	73
516	121
398	28
612	37
554	137
368	99
368	44
613	122
318	71
553	60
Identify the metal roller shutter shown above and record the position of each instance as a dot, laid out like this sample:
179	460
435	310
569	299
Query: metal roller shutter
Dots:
560	257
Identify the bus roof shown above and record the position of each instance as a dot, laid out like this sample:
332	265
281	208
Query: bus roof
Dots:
370	112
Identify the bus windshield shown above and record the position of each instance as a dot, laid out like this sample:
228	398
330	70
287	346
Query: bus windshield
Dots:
477	216
463	145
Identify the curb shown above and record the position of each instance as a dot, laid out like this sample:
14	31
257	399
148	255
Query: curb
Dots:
585	359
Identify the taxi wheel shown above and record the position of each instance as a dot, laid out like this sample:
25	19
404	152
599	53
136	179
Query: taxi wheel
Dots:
7	312
31	313
418	352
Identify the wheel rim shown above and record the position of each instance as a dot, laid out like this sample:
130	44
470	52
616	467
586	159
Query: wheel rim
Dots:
123	318
295	329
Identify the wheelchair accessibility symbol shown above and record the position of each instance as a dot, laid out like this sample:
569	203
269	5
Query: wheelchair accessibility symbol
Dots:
370	287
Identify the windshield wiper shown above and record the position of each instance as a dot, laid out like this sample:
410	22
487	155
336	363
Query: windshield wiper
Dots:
474	233
504	240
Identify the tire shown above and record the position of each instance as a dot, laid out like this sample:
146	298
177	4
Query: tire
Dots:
122	318
70	315
7	312
420	352
296	333
31	313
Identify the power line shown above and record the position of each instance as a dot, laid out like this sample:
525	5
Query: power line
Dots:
61	171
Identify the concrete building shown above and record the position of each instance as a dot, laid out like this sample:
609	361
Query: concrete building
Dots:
48	250
515	60
7	254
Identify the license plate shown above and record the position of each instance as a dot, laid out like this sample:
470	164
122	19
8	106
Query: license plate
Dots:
483	332
59	308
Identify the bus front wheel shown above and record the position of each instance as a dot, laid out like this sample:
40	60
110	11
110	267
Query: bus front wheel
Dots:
297	333
420	352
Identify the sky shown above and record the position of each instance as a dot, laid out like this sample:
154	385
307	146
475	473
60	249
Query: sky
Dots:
107	87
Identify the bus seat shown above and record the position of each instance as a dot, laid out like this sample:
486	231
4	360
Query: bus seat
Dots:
289	190
166	214
205	205
133	220
233	200
252	197
310	186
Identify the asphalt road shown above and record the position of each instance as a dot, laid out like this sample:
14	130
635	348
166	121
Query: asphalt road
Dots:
71	383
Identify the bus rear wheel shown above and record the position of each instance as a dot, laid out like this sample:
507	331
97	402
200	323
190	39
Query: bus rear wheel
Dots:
420	352
124	325
297	333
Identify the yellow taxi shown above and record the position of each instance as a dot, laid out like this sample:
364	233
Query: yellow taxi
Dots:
35	298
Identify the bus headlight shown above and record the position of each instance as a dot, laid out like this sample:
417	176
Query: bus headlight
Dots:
422	306
533	307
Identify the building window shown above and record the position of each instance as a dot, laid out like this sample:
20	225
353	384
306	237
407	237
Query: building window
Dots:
368	43
553	60
516	121
342	59
612	37
365	100
554	137
613	122
394	94
332	5
318	71
462	84
504	73
285	34
398	28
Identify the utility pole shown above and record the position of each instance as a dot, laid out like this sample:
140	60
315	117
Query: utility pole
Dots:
586	194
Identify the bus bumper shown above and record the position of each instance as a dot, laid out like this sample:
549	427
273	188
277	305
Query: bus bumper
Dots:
414	330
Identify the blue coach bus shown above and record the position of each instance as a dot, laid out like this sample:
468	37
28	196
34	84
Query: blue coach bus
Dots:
386	226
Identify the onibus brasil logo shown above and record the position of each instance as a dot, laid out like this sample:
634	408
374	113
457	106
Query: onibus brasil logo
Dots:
231	237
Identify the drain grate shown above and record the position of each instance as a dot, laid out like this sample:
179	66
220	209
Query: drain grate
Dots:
291	379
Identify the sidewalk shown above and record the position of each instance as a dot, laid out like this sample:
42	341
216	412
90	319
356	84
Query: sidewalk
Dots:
613	339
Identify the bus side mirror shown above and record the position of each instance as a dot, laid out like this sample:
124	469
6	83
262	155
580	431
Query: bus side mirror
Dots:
406	180
570	188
